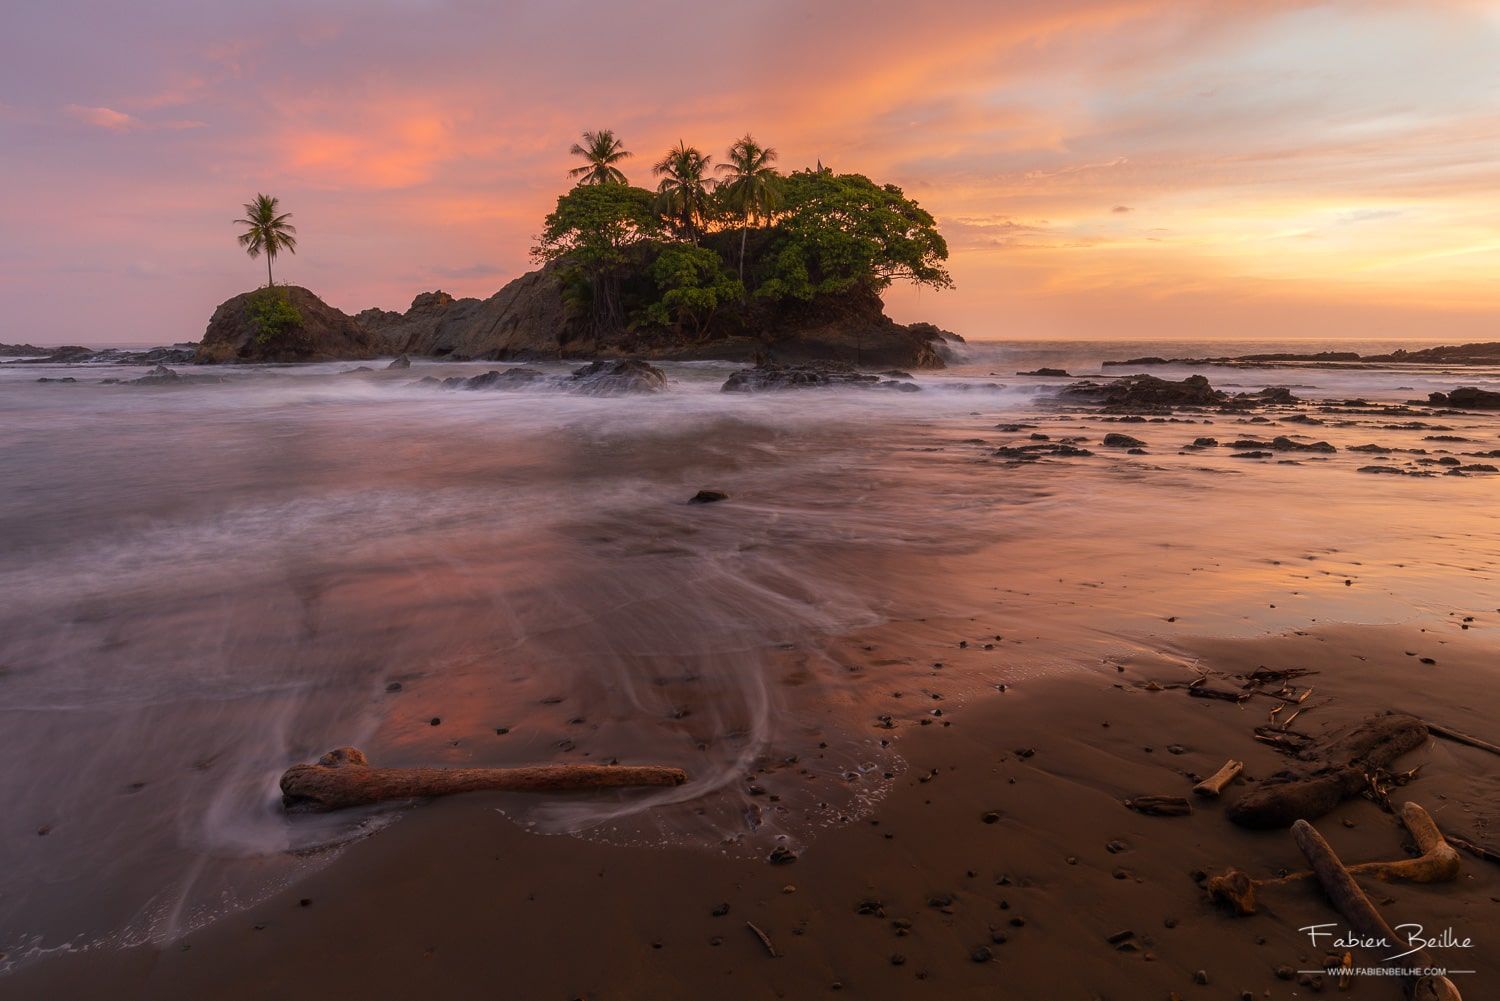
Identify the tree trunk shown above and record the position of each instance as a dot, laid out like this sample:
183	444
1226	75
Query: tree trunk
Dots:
744	232
269	281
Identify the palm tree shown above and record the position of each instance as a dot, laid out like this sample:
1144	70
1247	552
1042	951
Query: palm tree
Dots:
267	231
751	185
600	151
683	193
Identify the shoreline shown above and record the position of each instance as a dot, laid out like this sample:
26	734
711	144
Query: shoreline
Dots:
455	899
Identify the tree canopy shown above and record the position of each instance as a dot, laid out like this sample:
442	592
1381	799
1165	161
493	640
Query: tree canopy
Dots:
836	231
661	259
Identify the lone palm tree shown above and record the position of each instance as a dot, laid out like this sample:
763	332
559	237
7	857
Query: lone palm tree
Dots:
267	231
750	185
682	195
600	151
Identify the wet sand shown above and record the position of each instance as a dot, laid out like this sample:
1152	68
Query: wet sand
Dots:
456	901
968	664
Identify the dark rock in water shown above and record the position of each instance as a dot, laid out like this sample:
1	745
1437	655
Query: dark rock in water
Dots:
1149	391
1382	469
1480	467
1251	455
1282	443
357	371
1468	398
401	362
66	378
320	333
70	354
774	376
1147	360
157	376
614	378
511	378
708	497
1038	451
1205	442
23	350
1137	451
1056	373
1117	440
896	373
1372	448
1271	394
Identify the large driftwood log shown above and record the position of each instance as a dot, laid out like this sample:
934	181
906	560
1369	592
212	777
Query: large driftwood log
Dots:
1437	863
343	778
1350	901
1346	766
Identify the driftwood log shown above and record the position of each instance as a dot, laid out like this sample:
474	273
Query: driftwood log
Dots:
343	778
1160	806
1344	770
1213	786
1350	901
1437	863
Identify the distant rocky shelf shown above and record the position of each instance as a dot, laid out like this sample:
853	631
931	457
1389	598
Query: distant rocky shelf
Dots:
1481	353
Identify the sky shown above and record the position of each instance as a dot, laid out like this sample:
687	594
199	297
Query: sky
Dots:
1100	168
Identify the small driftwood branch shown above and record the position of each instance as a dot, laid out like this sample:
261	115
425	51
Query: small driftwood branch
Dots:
343	778
1213	786
765	939
1350	901
1458	737
1437	863
1160	806
1343	772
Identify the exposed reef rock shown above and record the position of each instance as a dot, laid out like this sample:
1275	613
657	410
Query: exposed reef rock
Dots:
773	376
1149	391
321	333
19	350
616	378
1467	398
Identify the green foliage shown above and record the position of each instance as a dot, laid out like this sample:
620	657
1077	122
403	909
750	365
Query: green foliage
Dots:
267	231
273	314
594	226
836	231
693	285
594	231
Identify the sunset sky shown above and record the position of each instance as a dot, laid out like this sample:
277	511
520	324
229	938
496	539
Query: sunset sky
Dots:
1101	169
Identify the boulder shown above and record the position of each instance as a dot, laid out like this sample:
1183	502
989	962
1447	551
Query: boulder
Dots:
511	378
1117	440
616	378
1055	373
399	363
772	376
319	332
157	376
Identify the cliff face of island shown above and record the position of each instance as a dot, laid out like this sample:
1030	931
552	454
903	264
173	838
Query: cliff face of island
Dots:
531	319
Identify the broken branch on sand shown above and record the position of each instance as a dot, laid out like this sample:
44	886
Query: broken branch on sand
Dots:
343	778
1350	901
1346	765
1458	737
1160	806
1437	863
1215	783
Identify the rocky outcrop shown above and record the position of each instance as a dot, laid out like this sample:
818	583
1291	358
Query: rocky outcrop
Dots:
530	319
1149	391
21	350
773	376
1467	398
616	378
527	319
321	333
